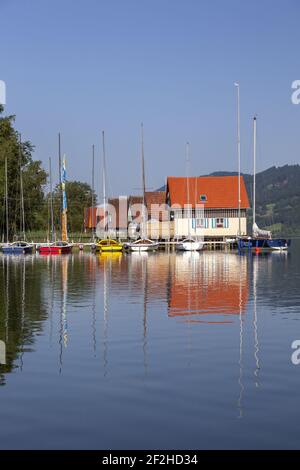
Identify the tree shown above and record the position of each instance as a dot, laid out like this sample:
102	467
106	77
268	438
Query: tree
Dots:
79	196
19	159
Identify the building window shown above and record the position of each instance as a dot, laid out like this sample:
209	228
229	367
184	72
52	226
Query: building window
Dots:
202	223
220	222
203	198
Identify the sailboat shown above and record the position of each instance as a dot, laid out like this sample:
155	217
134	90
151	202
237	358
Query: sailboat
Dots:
107	244
261	239
190	243
62	246
143	243
17	247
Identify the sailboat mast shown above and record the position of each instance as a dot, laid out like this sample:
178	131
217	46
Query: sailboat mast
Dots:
187	155
21	191
196	206
143	184
93	188
237	85
104	180
254	170
51	200
60	182
6	200
143	164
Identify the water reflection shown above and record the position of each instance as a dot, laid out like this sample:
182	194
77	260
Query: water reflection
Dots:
63	330
182	344
195	289
110	265
209	288
19	322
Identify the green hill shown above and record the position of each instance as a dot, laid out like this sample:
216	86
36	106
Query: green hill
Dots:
277	198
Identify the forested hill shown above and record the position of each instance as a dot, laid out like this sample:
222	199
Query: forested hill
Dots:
277	198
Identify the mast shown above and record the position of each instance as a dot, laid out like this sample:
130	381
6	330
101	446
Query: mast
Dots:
143	184
51	202
22	219
237	85
104	181
93	187
6	200
64	230
60	183
196	206
187	155
254	170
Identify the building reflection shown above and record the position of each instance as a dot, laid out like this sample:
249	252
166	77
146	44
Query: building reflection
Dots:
211	288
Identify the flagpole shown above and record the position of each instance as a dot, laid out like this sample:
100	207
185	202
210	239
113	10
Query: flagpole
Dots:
64	230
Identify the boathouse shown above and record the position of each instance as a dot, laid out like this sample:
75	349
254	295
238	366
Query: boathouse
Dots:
207	206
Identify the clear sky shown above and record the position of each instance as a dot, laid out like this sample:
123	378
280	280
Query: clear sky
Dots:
80	66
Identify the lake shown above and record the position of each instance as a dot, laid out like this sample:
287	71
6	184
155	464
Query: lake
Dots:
150	351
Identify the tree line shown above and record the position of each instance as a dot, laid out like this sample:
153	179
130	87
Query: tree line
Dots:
17	156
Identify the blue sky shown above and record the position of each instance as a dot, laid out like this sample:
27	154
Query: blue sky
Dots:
82	66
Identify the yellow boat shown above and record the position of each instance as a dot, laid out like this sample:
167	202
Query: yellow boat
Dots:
109	245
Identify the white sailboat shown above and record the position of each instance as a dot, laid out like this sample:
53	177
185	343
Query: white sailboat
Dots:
19	246
143	243
190	243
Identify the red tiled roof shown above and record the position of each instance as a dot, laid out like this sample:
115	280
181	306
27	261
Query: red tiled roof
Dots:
221	191
135	200
156	198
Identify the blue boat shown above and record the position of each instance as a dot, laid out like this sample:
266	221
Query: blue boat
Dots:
261	240
264	244
17	248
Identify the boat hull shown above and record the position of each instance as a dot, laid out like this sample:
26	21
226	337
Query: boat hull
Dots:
109	249
108	246
143	247
190	246
9	250
264	244
55	250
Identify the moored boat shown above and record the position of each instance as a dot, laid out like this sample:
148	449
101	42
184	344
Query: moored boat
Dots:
261	240
17	248
190	244
143	244
57	248
264	244
108	245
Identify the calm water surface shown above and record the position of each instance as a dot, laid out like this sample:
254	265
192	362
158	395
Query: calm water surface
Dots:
150	351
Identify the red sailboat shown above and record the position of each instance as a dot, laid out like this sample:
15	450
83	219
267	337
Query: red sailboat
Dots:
63	246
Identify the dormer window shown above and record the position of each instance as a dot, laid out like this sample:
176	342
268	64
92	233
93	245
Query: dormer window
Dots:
203	198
